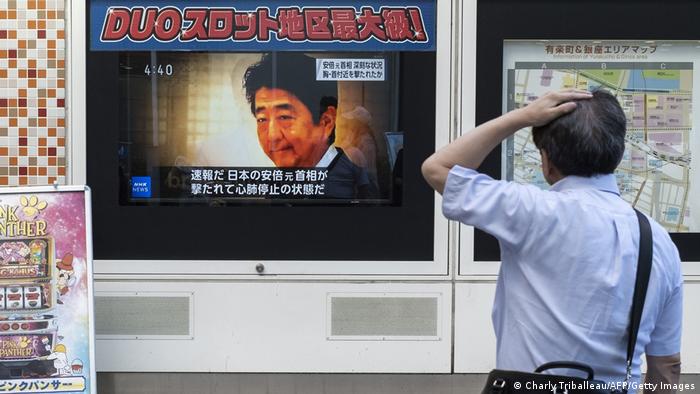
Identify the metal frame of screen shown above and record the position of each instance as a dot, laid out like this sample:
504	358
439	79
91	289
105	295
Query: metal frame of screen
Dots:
499	20
305	240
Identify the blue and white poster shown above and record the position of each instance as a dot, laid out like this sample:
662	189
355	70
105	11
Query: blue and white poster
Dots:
251	26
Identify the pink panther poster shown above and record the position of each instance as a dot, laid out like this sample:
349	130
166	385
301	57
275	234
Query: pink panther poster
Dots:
46	309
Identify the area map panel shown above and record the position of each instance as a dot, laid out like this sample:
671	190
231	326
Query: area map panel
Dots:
655	172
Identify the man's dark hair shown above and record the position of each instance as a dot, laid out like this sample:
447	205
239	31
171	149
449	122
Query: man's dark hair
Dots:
295	73
587	141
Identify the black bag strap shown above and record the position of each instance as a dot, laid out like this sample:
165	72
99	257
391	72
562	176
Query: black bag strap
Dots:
640	289
569	365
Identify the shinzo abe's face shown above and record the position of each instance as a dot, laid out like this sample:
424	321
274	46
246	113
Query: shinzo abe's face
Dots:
286	129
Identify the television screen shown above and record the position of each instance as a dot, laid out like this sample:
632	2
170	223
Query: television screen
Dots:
273	127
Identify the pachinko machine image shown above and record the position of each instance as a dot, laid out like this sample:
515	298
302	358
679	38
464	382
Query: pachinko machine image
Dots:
46	332
28	293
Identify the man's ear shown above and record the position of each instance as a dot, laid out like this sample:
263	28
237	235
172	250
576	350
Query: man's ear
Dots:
327	120
551	173
545	162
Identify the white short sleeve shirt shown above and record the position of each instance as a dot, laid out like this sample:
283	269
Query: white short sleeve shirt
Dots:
569	259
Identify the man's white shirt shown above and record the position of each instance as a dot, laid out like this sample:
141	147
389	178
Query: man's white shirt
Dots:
327	157
569	259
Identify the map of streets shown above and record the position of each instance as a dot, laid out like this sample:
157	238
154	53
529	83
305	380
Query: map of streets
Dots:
654	175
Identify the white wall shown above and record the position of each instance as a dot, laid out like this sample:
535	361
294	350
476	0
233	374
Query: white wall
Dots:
276	327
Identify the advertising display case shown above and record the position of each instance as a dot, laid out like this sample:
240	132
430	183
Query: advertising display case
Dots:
646	54
648	60
290	134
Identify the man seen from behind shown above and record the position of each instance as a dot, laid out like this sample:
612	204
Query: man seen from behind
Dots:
569	254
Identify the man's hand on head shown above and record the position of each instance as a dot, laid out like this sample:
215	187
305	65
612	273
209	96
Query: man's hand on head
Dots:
550	106
470	149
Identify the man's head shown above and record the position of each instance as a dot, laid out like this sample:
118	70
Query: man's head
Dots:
587	141
295	113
